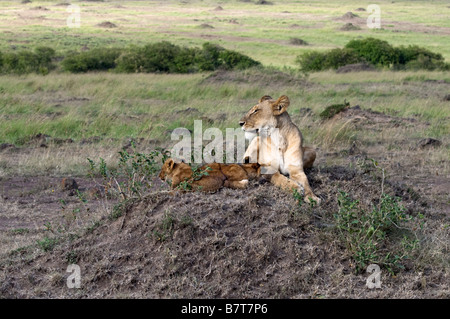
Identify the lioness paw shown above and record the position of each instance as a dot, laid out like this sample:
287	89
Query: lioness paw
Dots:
313	200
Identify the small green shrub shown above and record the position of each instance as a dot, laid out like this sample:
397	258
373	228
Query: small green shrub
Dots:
25	61
336	58
412	52
236	60
164	57
311	61
424	62
208	59
374	51
132	176
117	211
44	55
367	234
332	110
100	59
333	59
47	244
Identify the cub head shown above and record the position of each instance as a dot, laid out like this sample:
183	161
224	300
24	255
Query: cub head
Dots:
263	115
167	169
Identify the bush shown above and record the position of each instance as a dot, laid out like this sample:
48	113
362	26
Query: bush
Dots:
412	52
160	57
374	51
94	60
332	110
336	58
44	55
157	57
424	62
208	59
414	57
25	61
366	234
317	61
236	60
133	175
311	61
169	58
131	60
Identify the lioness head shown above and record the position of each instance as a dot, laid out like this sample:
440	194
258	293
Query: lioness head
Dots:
263	115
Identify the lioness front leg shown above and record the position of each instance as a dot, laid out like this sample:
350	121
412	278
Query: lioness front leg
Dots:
283	182
299	176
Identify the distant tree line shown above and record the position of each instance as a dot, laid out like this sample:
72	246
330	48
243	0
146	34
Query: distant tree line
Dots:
163	57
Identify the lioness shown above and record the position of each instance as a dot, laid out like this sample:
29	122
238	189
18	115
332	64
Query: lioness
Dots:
279	145
209	177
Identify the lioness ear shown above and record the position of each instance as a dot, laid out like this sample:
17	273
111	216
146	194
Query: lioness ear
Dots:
280	105
264	98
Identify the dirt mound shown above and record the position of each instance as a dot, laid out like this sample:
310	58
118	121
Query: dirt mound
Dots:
205	26
349	15
40	8
107	24
428	143
349	27
356	67
221	245
263	2
368	119
297	41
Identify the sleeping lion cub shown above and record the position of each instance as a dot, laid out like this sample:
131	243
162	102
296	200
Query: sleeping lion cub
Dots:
209	177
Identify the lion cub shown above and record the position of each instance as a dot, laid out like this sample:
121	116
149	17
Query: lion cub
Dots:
210	177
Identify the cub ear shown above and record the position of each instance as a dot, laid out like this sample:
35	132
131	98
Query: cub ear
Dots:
170	163
280	106
265	98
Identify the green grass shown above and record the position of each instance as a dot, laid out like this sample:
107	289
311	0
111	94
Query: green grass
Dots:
150	106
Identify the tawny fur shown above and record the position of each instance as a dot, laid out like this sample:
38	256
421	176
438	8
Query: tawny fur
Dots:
219	175
279	145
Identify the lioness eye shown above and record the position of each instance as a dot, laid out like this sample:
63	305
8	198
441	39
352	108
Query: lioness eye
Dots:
255	111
